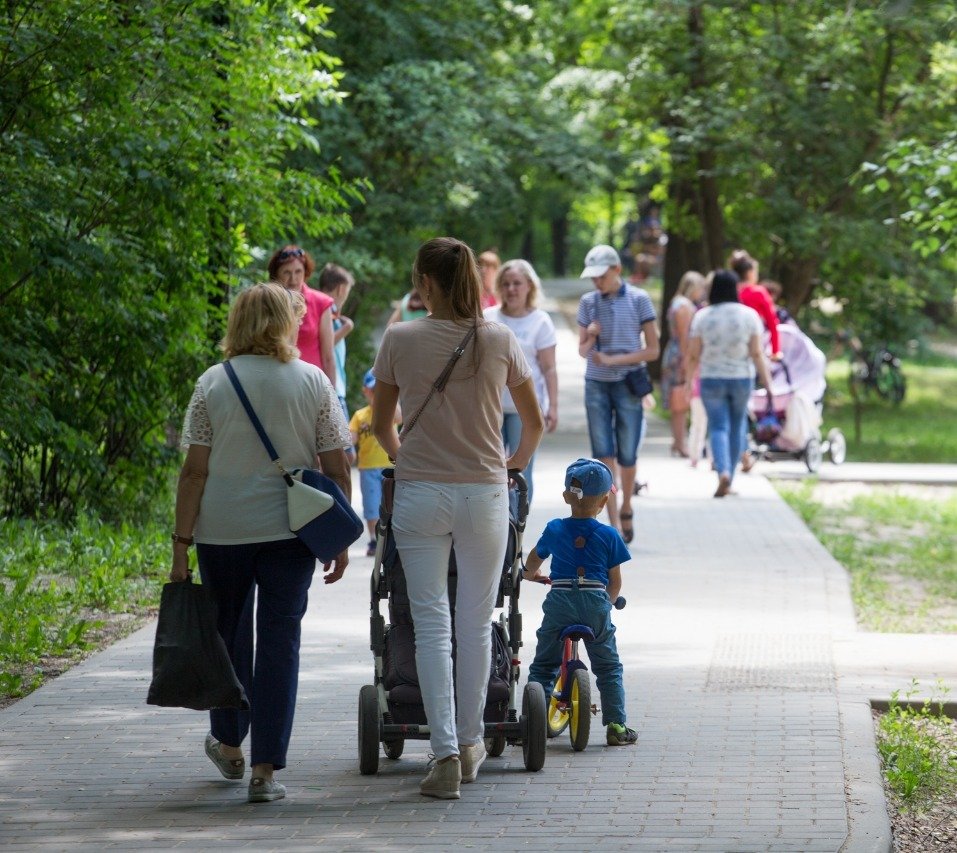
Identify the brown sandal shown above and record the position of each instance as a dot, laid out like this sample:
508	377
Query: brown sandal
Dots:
627	529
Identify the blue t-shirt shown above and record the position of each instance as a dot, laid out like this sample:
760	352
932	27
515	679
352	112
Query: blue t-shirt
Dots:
603	548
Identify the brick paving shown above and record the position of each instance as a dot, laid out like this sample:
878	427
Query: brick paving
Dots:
748	742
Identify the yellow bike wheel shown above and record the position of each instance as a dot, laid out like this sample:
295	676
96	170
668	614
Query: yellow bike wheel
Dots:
579	711
558	716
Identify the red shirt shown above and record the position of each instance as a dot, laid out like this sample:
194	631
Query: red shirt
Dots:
317	303
756	296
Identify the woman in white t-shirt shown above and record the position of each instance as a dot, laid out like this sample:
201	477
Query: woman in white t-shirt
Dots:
725	340
231	500
451	484
517	286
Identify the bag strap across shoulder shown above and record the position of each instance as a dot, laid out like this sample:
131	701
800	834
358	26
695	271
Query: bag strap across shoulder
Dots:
442	380
231	373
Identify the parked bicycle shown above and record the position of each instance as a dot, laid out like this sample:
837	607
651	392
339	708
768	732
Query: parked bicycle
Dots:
876	370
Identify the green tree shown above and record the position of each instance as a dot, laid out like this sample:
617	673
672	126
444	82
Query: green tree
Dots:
142	156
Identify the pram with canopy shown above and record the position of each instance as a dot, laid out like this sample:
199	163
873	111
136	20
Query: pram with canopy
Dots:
391	710
791	429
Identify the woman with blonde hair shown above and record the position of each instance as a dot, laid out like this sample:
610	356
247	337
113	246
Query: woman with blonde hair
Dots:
231	502
674	398
517	286
452	485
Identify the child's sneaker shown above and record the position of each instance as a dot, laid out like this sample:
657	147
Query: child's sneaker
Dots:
618	734
370	548
443	780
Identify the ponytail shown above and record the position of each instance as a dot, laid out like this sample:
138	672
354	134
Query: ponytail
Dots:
451	264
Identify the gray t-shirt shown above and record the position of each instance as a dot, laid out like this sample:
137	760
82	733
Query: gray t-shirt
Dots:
725	331
245	495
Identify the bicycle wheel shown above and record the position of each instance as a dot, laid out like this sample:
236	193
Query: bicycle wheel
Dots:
558	717
580	717
890	383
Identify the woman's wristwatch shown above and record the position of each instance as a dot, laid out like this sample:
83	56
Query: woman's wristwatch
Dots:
183	540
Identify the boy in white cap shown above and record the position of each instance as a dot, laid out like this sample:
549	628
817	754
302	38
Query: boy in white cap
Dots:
585	580
618	335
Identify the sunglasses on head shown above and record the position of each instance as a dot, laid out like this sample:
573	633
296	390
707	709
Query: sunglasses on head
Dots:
290	253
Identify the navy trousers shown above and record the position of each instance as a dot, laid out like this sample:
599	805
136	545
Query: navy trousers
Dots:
273	579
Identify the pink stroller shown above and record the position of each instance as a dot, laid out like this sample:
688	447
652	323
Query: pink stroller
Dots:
792	428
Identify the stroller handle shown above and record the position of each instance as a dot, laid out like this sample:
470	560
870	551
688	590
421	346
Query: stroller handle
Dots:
521	486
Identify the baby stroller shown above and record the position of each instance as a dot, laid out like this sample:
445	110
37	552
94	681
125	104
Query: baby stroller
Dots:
791	429
391	711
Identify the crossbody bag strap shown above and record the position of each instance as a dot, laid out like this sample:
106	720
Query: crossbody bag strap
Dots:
439	384
257	424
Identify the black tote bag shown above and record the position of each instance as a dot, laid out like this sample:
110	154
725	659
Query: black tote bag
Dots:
191	667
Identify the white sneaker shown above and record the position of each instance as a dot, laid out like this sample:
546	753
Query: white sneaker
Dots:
472	758
443	779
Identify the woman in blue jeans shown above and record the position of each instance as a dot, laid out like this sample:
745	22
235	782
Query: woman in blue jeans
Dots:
725	340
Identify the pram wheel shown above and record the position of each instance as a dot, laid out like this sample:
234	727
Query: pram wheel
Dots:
534	727
393	748
369	730
813	455
495	746
580	717
836	446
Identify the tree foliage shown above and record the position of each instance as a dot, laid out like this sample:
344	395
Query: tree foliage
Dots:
142	152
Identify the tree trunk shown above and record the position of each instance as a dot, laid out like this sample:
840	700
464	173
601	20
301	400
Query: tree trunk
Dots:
528	246
682	253
559	226
797	277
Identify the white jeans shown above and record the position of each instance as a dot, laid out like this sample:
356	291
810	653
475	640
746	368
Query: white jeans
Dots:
427	518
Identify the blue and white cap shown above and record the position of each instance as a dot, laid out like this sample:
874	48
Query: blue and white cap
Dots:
368	381
593	476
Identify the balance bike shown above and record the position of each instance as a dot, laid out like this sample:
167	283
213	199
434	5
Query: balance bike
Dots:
569	706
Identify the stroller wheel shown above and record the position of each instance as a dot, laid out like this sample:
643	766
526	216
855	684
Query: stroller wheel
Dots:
557	717
836	446
813	455
495	746
393	748
533	726
368	730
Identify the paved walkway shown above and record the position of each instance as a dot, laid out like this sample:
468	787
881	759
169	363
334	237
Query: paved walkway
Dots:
740	653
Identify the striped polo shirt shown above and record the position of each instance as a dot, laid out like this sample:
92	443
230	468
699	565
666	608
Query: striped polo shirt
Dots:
620	315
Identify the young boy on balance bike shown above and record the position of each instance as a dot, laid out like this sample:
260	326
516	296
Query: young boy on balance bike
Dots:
585	580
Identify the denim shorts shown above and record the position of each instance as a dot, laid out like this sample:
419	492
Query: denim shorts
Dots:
370	483
615	417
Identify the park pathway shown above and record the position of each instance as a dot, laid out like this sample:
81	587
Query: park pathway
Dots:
748	741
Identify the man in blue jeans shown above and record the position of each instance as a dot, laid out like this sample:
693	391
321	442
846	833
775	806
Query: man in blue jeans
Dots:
618	335
585	580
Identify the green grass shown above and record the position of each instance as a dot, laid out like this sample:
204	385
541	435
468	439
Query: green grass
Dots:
921	429
913	744
900	552
59	585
